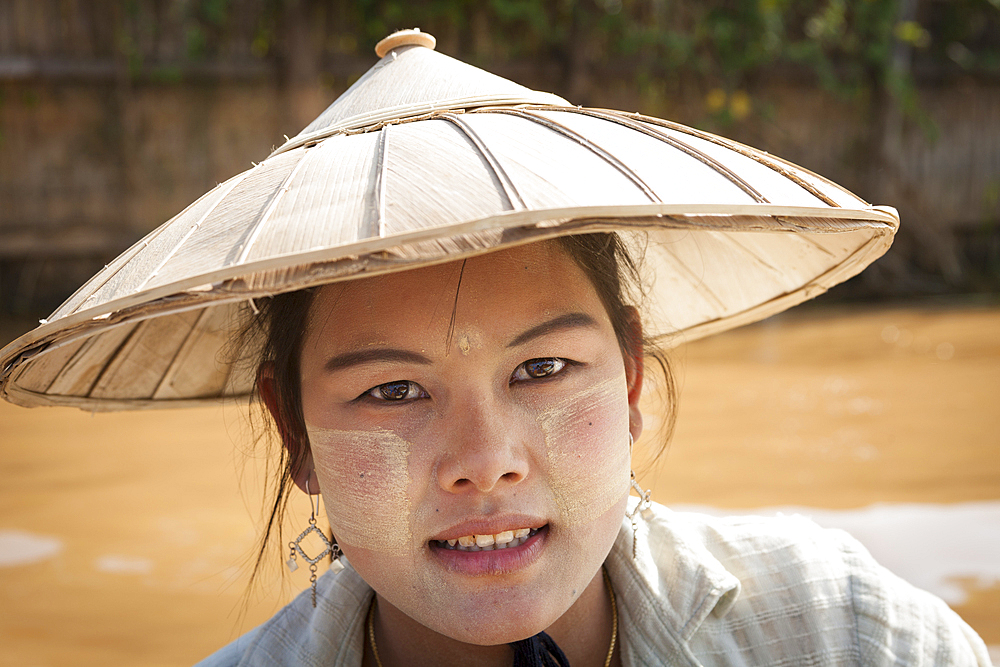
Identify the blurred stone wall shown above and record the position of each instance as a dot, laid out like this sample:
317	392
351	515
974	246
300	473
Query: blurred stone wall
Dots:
99	145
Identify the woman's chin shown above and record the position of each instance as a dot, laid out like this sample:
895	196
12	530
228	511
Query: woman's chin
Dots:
492	625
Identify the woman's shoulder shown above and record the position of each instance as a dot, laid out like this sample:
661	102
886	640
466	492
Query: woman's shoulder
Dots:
762	549
787	587
329	634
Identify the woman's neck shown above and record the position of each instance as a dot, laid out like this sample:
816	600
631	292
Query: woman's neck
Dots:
583	633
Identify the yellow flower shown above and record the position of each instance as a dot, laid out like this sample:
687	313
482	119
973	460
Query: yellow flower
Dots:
715	100
913	33
739	105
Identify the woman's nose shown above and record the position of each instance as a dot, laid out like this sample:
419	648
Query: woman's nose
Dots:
485	451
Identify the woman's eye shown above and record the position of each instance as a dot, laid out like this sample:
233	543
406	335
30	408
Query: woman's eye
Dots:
538	368
397	391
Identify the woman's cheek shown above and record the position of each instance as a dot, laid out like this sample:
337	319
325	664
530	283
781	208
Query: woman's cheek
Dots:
365	481
586	449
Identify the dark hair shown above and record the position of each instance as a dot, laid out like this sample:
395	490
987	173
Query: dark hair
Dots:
272	334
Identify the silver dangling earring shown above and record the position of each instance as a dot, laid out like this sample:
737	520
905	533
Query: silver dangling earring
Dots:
640	506
330	548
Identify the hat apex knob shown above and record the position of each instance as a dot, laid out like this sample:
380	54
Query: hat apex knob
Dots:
410	37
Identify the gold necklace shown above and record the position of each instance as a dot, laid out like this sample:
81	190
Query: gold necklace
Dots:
614	623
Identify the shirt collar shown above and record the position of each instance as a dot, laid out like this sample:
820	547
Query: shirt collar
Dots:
332	634
670	587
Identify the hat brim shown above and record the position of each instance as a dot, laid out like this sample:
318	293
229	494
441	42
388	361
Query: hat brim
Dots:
168	347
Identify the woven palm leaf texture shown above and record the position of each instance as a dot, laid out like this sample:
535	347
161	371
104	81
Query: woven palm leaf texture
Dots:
427	159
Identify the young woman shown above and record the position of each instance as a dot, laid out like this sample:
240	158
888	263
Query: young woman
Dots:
475	419
458	385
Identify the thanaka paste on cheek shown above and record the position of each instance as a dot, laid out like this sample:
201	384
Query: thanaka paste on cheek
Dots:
587	453
365	481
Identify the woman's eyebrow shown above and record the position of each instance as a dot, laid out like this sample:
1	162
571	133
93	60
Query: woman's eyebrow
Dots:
347	359
567	321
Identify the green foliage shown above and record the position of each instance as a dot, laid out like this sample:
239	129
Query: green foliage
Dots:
851	47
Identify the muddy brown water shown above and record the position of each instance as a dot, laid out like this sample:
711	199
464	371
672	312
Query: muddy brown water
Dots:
126	534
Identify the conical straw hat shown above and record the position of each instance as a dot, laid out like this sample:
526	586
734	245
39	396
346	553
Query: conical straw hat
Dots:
427	159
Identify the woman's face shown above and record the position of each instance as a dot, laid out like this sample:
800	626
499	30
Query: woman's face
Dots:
471	403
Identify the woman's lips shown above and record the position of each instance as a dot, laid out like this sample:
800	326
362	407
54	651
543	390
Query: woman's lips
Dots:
480	557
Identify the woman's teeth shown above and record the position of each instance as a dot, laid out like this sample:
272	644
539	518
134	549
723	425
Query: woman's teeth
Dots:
508	539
